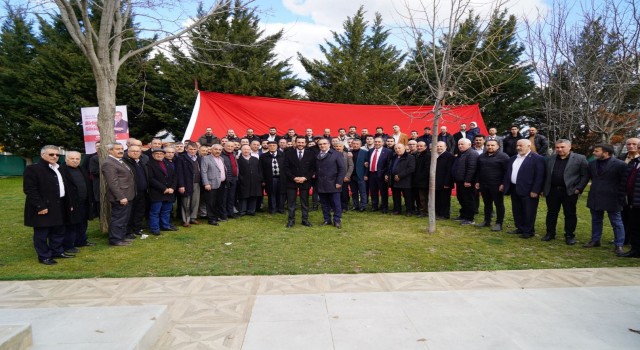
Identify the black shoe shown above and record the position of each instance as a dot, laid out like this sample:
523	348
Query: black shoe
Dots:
214	223
514	232
526	235
72	251
306	223
618	250
569	240
548	237
290	224
362	209
591	244
374	209
496	227
338	226
280	211
47	261
64	256
633	253
420	215
88	244
120	244
130	236
395	213
383	211
484	224
156	233
458	219
223	220
170	228
326	223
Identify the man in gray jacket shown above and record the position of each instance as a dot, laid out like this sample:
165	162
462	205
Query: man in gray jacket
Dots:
213	173
567	174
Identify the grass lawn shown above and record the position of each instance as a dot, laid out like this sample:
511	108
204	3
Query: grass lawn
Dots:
261	245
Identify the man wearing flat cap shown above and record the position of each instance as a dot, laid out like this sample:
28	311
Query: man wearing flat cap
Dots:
272	170
163	183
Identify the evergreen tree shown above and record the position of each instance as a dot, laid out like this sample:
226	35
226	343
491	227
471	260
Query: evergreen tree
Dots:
360	67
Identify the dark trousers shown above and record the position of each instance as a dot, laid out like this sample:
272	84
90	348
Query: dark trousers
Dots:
276	199
75	235
220	204
138	208
417	200
634	228
379	192
465	197
626	219
213	201
443	202
344	196
491	195
397	194
229	199
556	198
359	193
524	209
249	205
48	241
120	215
329	202
292	193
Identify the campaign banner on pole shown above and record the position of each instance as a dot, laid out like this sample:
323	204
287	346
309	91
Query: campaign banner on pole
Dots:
90	127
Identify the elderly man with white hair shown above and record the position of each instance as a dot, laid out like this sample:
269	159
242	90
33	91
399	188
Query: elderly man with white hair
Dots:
464	175
79	194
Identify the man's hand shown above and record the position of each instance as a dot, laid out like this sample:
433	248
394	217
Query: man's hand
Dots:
207	187
338	186
533	195
467	184
124	201
181	190
43	212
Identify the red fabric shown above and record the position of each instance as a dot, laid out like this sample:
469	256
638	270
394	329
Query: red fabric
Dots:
225	111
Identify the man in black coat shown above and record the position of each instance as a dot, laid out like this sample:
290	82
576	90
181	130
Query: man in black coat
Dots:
492	164
45	205
272	163
249	182
163	184
377	163
444	181
524	181
607	193
230	185
464	175
78	195
137	164
567	176
509	142
399	174
420	179
330	173
189	184
299	168
631	183
448	139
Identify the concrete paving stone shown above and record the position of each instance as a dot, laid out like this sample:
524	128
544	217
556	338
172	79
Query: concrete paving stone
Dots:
289	335
578	300
376	334
432	303
508	301
363	306
303	307
613	328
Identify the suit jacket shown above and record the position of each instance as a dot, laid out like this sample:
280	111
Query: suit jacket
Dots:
348	162
576	173
121	127
443	170
530	176
210	173
185	172
249	177
121	182
423	165
159	181
608	187
266	160
452	144
330	171
359	170
403	139
294	167
73	215
40	184
384	155
404	168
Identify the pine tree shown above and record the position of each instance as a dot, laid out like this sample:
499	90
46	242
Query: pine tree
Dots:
360	67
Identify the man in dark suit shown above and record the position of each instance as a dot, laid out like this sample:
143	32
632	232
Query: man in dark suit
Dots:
631	185
121	126
78	194
448	139
45	205
299	168
420	180
249	182
606	194
461	134
272	164
330	173
567	174
139	203
163	184
492	164
121	190
378	163
189	183
509	141
358	184
399	174
524	180
444	181
464	175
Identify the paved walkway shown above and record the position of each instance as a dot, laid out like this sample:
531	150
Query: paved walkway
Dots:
532	309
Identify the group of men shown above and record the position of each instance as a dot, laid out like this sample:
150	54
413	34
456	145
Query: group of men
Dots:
221	178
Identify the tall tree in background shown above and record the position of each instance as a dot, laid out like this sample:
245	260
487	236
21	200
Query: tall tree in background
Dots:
589	71
360	67
231	54
448	60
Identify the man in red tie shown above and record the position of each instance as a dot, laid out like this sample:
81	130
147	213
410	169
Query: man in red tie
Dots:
378	164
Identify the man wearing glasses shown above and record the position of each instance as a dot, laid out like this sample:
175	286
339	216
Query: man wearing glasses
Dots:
45	205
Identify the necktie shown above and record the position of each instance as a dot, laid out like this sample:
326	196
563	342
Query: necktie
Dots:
299	155
374	160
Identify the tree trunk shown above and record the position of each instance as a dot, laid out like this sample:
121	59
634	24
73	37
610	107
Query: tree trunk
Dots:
106	91
437	112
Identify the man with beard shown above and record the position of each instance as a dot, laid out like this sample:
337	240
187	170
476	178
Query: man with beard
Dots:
299	168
